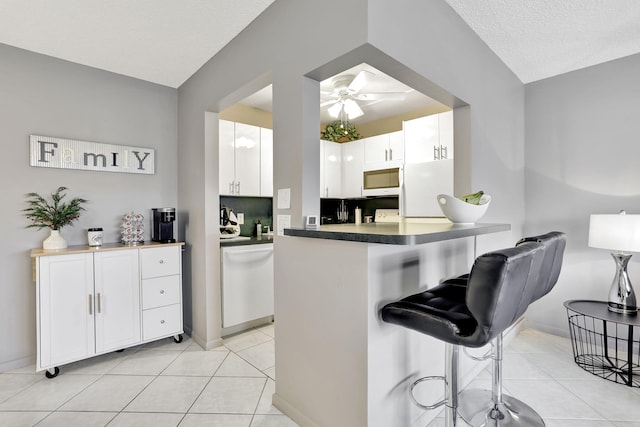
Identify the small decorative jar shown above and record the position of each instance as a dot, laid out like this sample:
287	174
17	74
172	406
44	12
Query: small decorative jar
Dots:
94	236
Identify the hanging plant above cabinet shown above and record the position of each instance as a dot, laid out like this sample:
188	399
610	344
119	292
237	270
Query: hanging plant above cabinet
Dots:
339	131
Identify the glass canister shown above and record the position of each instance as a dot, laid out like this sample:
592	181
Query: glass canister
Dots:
94	236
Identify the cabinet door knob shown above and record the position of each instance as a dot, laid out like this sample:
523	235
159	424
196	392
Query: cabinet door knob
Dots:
162	291
162	322
161	261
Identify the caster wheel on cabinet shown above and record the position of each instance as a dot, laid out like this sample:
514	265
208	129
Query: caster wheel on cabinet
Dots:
177	339
53	374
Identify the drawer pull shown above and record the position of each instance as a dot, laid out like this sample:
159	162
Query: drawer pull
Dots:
162	291
162	322
161	261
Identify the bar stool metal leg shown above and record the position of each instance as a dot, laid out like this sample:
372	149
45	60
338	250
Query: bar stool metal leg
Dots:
484	408
451	385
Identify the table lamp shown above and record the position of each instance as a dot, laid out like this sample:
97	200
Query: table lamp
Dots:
619	233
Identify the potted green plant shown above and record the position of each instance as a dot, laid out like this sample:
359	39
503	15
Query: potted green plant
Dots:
339	131
53	215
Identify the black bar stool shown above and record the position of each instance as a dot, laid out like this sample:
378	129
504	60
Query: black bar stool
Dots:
474	309
492	407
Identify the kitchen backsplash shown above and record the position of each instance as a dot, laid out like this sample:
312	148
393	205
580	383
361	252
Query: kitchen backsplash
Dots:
329	207
253	208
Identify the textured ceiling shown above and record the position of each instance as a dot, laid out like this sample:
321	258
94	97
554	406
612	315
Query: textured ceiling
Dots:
537	39
161	41
166	41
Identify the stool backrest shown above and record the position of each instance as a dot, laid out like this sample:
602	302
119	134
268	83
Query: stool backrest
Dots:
554	243
501	286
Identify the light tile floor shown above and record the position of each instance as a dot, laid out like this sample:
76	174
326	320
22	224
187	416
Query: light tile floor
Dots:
164	384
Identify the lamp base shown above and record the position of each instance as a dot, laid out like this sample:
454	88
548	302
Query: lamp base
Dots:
622	309
622	298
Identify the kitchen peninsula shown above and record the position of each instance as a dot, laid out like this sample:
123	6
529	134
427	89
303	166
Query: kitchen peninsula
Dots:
337	363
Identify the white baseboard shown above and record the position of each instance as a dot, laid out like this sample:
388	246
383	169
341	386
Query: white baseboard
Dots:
18	363
291	411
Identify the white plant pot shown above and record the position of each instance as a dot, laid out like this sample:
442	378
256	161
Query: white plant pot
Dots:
54	241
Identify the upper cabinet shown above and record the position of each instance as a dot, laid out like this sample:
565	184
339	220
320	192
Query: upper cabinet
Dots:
429	138
266	162
242	166
386	148
330	169
352	168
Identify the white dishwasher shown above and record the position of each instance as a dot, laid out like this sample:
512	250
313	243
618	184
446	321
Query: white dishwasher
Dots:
247	283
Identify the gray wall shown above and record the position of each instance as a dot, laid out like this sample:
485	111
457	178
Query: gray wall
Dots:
423	43
46	96
582	151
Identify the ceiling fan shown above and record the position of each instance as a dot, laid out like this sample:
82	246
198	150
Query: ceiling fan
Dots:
346	95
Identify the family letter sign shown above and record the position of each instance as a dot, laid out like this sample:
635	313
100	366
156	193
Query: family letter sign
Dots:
49	152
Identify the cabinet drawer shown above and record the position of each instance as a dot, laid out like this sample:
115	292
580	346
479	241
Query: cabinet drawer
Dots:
163	261
160	291
160	322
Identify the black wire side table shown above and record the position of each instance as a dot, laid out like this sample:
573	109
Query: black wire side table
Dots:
605	343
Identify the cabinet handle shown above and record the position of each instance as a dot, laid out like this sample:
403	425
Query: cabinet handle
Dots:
238	187
436	153
90	305
162	291
386	155
231	187
390	154
99	304
162	322
161	261
444	151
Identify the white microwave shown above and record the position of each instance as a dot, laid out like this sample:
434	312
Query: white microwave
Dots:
382	182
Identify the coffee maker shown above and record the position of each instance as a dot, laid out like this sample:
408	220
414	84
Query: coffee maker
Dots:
162	225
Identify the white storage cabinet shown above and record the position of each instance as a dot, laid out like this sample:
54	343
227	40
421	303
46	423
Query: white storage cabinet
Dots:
88	302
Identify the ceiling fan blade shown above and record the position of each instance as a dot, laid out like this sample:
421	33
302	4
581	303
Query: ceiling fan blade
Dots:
359	81
324	104
373	96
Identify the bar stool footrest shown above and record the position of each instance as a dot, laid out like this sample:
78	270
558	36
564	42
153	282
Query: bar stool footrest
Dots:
420	405
476	409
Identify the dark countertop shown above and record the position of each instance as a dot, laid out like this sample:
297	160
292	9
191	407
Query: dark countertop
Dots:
225	243
407	233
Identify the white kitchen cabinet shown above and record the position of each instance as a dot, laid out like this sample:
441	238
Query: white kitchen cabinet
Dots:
331	169
352	168
239	159
384	150
266	162
247	283
227	155
88	300
429	138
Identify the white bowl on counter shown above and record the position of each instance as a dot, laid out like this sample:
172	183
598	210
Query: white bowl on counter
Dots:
460	212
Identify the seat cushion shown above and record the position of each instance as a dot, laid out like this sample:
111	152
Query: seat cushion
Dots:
440	312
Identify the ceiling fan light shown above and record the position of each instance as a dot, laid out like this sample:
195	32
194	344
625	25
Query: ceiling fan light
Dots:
335	109
352	109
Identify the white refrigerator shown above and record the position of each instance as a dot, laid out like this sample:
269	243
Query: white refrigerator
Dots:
422	182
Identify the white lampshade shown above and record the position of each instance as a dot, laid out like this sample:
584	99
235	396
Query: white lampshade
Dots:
619	232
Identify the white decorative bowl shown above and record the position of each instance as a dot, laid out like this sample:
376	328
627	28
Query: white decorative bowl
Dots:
462	212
